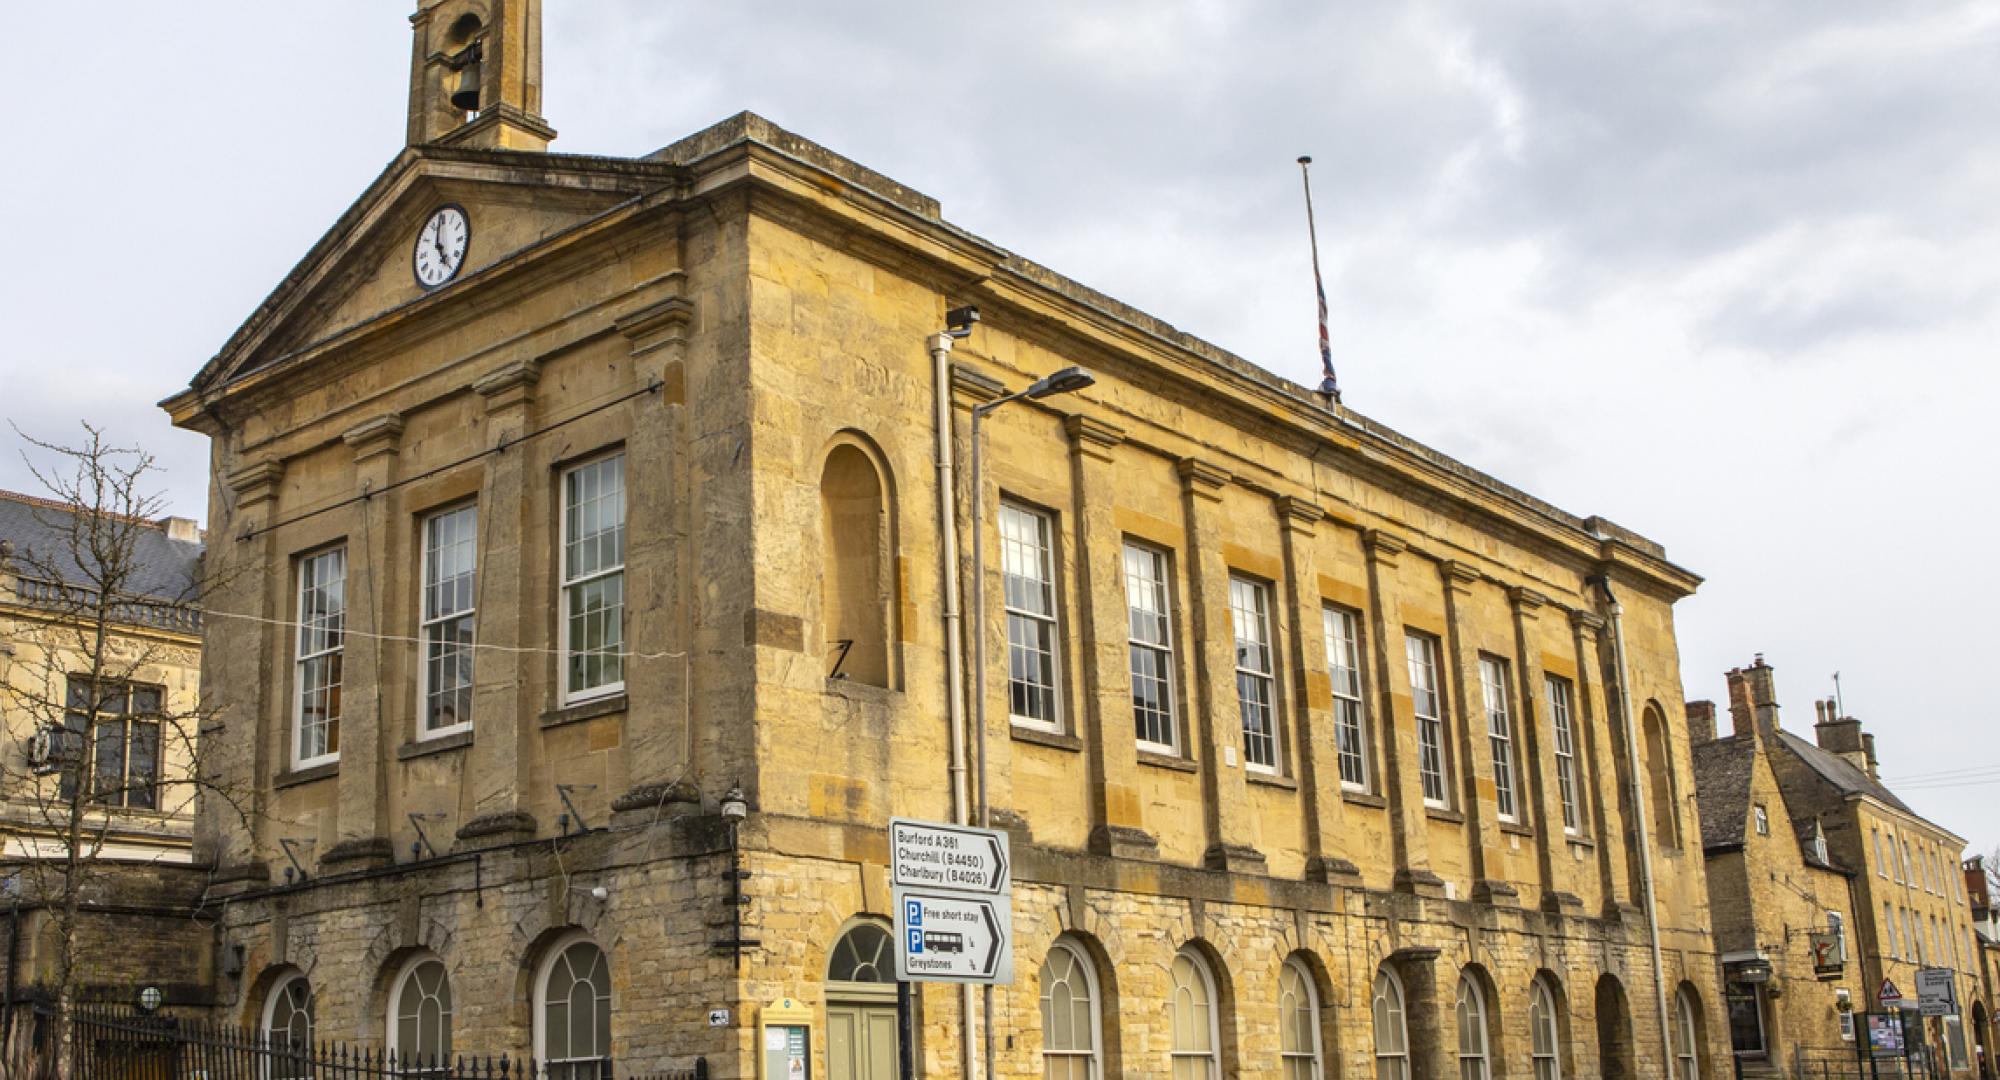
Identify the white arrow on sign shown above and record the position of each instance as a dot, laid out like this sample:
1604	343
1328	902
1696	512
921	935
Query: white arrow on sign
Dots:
923	855
950	937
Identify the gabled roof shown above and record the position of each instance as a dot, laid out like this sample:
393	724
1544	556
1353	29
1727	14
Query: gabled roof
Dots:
316	271
1722	770
1841	773
166	568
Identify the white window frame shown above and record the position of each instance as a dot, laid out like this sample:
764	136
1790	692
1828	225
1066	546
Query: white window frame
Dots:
1881	866
1047	624
1342	631
1686	1053
1397	1058
281	1060
1889	931
540	1002
1493	690
1544	1023
1421	651
1479	1064
1310	1056
1762	818
1093	1058
1213	1055
430	623
1156	589
1836	924
1568	770
333	651
1259	616
570	696
425	1062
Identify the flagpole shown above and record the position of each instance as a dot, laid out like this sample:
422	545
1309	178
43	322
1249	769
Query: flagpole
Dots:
1329	386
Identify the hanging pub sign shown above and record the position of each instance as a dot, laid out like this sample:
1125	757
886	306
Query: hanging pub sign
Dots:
1827	964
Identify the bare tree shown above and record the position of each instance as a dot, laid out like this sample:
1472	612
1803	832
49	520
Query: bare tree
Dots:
103	736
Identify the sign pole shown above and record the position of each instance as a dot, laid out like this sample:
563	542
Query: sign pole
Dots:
906	1036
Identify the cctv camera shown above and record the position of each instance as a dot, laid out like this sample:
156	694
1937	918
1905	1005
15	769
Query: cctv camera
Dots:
959	321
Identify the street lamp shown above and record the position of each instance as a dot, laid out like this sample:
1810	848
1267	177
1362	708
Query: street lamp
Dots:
1068	380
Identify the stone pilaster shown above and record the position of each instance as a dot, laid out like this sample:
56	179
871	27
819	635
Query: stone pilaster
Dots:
1428	999
249	742
1472	746
1605	781
1535	730
1312	699
503	718
1117	825
1225	798
369	665
1395	720
659	717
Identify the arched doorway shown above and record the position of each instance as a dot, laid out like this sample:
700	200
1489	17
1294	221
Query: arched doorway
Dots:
1981	1033
861	1005
1614	1032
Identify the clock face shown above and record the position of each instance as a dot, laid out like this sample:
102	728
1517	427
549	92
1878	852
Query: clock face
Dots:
441	245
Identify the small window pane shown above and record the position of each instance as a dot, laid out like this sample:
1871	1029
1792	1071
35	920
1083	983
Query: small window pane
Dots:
1256	688
1343	669
1421	653
1150	648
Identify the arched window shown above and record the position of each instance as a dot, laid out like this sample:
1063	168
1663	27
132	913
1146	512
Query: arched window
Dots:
856	584
1298	1021
1195	1046
1392	1038
1660	767
1473	1063
573	1011
288	1026
1544	1039
1687	1038
862	955
1070	1027
420	1017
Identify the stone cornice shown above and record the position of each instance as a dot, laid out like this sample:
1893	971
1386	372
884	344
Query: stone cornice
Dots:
975	387
1587	623
374	437
256	482
661	324
1527	602
1298	514
1383	547
1202	479
1092	437
1458	577
508	384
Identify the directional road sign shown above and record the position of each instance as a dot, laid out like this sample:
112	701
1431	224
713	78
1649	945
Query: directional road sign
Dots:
1937	992
923	855
946	936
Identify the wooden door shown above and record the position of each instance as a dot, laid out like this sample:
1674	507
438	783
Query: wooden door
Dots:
860	1042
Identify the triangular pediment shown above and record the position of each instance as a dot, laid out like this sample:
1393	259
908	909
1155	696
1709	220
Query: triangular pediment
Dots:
362	270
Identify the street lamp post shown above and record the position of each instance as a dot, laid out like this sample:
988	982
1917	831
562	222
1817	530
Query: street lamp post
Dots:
1066	381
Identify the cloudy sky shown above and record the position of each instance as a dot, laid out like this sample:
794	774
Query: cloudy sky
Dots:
1727	273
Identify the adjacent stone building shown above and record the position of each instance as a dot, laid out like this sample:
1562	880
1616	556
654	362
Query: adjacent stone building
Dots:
125	762
571	500
1773	886
1902	908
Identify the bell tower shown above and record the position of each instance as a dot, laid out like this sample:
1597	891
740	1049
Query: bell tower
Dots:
476	74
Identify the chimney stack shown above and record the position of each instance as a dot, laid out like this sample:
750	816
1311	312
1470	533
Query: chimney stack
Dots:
1868	753
1753	700
1701	722
1841	735
182	529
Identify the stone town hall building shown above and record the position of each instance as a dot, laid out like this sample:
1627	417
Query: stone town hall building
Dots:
573	492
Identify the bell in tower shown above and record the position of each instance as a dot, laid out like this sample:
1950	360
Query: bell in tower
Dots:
476	75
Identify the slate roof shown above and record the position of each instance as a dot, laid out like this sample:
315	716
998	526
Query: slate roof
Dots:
1840	773
166	568
1722	770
